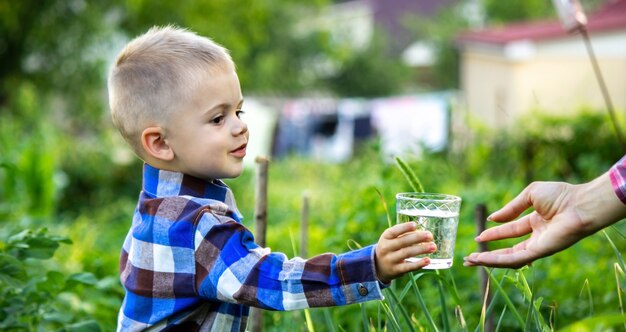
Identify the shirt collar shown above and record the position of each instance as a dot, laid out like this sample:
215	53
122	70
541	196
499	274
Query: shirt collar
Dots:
161	183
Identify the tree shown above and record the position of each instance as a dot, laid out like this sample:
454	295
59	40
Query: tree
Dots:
270	57
52	46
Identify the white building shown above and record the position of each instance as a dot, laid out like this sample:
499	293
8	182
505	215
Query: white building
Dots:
510	70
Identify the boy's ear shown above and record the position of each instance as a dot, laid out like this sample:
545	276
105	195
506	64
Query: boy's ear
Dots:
153	142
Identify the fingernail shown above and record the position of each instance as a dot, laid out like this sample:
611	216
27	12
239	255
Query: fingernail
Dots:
477	239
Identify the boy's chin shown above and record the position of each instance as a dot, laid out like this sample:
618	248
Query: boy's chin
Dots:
233	174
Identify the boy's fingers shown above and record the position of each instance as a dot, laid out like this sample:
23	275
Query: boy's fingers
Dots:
397	230
408	266
408	239
412	251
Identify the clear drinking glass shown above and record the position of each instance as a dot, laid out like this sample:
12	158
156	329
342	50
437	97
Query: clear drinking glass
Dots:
437	213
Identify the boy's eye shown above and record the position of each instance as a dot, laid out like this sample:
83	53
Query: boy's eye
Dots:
217	119
239	113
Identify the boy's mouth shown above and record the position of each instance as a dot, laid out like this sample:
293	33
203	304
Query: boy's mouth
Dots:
239	152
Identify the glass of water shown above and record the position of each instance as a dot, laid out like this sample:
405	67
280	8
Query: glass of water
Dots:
436	213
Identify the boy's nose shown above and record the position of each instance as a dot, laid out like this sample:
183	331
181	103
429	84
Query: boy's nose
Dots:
240	128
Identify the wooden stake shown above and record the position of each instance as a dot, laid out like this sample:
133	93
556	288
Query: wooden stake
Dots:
260	198
480	216
304	226
260	226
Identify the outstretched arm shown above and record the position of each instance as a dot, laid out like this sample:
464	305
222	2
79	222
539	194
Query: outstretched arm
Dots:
398	243
563	214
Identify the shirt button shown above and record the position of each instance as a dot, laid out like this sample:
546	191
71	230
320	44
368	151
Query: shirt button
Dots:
362	290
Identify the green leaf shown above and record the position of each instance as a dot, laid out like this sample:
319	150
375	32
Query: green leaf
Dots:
20	236
86	278
41	248
52	283
82	278
12	271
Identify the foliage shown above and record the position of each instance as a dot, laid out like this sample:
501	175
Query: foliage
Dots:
444	74
28	162
55	49
370	72
260	35
36	299
502	12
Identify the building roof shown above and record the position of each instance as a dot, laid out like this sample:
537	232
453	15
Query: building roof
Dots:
612	16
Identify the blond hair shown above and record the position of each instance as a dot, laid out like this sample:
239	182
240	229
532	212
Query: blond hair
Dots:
154	72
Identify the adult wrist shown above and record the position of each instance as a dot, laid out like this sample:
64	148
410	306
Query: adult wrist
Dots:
598	205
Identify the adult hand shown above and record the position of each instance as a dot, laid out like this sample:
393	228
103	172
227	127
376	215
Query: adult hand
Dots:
398	243
563	214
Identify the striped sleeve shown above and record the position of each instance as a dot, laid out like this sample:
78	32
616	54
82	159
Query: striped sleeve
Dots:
618	179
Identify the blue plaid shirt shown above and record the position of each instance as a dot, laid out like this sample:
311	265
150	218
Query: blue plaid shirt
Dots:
189	264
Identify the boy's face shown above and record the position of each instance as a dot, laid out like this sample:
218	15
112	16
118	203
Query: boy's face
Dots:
207	135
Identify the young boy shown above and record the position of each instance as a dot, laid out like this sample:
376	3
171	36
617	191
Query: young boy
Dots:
187	262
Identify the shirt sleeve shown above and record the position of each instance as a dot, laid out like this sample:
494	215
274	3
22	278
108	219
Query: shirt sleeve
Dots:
230	267
618	179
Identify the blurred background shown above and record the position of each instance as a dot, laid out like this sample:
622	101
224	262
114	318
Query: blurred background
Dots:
478	97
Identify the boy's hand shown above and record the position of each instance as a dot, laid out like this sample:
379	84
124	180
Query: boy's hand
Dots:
398	243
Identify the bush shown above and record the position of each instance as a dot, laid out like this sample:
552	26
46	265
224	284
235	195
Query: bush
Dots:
39	299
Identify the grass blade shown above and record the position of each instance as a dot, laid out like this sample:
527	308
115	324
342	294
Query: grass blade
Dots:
391	316
442	300
618	272
379	320
507	300
330	326
534	305
402	309
309	321
364	317
483	310
588	288
529	315
492	305
500	319
409	286
422	303
410	175
458	312
620	260
382	199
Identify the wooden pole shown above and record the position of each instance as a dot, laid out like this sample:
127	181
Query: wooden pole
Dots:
480	216
260	226
603	88
304	226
